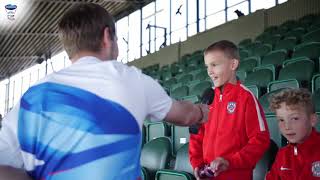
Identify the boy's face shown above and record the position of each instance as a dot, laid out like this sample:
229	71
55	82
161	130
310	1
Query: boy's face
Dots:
295	123
220	68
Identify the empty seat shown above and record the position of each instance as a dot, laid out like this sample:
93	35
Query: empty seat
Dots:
280	84
260	77
249	63
245	42
255	90
185	79
155	130
261	50
288	44
199	88
182	169
244	54
271	67
193	98
271	119
155	155
180	136
241	75
315	82
274	57
273	39
201	75
297	33
168	83
313	36
179	92
310	50
265	163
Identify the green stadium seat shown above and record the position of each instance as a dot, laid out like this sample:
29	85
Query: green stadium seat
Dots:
297	33
156	129
255	90
199	88
176	69
288	44
202	75
193	98
314	27
244	54
168	83
273	39
185	79
271	119
313	36
310	50
241	75
260	77
166	75
191	67
249	63
265	163
253	45
193	83
315	82
280	84
155	155
182	169
261	50
288	61
245	42
179	92
267	66
316	100
274	57
179	136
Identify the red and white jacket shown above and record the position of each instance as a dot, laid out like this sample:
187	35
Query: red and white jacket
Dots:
298	161
236	130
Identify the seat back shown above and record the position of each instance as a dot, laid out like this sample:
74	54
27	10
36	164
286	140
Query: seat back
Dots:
265	163
260	77
288	44
313	36
156	154
199	88
179	92
249	63
182	159
180	136
274	57
155	130
309	49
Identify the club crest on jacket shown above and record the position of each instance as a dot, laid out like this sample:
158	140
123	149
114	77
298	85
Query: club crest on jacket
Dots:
316	169
231	107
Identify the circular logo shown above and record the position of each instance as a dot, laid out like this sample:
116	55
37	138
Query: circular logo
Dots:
316	169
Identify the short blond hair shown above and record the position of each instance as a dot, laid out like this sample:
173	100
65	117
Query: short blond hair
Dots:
293	98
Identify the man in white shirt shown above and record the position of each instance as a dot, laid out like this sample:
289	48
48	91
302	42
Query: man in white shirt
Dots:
85	121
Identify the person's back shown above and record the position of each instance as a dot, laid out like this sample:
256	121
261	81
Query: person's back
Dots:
85	121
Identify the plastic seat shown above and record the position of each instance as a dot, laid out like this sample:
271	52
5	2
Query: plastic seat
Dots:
255	90
280	84
193	98
315	82
310	50
249	63
155	155
288	44
201	75
265	163
182	169
313	36
244	54
241	75
297	33
180	136
179	92
273	39
261	50
185	79
199	88
155	130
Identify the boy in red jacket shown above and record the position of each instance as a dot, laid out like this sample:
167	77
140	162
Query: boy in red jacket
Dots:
236	134
300	159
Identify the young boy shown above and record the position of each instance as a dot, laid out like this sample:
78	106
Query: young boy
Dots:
236	134
300	159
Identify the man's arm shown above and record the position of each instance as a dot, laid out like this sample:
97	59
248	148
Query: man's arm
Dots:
184	113
10	173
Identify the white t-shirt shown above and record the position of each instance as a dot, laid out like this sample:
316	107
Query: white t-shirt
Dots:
83	122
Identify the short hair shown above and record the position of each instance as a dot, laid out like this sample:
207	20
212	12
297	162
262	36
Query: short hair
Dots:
227	47
82	28
293	98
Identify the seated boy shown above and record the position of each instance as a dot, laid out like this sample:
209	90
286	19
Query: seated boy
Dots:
300	159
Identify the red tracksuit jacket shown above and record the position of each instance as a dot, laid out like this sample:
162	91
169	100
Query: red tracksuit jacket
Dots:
236	130
300	161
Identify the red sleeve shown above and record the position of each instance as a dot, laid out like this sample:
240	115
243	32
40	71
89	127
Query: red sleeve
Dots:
258	135
273	174
195	148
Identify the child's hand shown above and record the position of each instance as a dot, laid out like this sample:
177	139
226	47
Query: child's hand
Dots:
219	165
196	174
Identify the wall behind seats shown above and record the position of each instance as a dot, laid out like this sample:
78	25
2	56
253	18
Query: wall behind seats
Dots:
248	26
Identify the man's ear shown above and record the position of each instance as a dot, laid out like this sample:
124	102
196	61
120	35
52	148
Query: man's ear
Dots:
106	37
313	119
235	64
